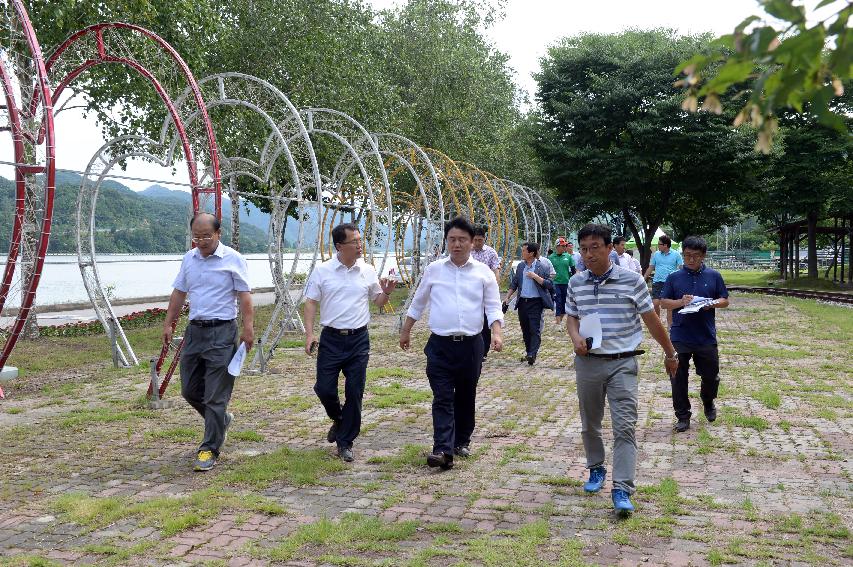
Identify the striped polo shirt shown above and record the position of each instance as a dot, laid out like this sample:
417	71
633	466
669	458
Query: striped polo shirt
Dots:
620	300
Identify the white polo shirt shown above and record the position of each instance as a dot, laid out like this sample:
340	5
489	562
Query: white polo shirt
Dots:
344	293
457	297
212	283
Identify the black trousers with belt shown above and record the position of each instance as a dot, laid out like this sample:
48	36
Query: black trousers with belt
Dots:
348	354
530	318
205	382
453	368
707	361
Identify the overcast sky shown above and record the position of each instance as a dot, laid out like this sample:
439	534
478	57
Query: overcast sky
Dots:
525	33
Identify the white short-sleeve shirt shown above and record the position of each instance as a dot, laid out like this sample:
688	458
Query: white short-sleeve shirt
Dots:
212	283
344	293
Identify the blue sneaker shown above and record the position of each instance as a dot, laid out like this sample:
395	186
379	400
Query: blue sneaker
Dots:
621	502
596	479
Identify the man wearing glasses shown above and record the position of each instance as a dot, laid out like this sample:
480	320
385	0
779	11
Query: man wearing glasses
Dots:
694	334
215	277
343	288
609	302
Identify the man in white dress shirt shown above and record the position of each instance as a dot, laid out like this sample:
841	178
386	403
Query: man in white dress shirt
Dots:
343	287
458	290
214	276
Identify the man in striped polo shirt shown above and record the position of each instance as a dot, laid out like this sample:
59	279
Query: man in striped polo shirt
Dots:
618	298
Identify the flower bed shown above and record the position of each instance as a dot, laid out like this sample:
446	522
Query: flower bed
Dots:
133	320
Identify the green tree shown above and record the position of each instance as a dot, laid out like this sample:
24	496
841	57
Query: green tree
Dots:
790	66
614	139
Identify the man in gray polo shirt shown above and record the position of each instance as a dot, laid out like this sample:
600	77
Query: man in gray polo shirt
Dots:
215	277
617	298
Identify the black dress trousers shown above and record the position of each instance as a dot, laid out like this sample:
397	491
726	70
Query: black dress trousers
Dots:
453	368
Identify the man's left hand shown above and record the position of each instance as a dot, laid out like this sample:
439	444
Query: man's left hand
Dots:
388	285
248	337
497	342
671	366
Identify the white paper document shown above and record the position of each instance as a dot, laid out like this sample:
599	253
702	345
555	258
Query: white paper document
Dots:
236	364
697	304
591	327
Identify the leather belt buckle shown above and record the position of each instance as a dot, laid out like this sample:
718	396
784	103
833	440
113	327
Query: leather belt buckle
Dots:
458	338
345	331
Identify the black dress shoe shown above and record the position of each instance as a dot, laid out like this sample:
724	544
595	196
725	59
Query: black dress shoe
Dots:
523	359
531	360
462	451
332	436
440	459
711	412
682	425
345	453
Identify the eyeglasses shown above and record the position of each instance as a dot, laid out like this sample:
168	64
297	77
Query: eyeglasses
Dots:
200	239
693	256
357	241
593	249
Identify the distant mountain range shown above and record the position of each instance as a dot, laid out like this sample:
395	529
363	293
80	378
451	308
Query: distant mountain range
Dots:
153	220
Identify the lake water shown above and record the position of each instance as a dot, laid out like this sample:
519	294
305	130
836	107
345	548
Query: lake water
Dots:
137	275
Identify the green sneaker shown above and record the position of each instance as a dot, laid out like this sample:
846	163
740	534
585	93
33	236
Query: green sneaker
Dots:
205	461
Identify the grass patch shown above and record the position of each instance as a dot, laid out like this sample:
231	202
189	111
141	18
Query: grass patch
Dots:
295	466
410	456
252	436
14	411
519	452
735	418
176	434
445	528
525	546
170	515
705	442
28	561
376	373
352	530
769	396
395	394
83	417
665	494
560	481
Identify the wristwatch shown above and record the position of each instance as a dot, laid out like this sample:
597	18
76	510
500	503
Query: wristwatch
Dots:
673	358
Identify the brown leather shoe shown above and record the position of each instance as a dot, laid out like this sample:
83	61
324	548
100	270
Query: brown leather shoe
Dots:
440	459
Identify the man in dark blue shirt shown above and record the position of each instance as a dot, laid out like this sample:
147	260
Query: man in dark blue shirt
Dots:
694	334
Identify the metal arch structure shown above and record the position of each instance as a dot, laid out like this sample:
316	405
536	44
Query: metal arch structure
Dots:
418	208
454	184
87	199
529	212
285	162
29	120
357	183
158	63
154	59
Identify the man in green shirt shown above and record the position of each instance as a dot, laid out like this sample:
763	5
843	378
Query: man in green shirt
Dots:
564	265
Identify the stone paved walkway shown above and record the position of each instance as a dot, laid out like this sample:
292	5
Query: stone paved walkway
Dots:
89	476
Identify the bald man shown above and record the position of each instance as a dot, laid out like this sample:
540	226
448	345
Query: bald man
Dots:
216	278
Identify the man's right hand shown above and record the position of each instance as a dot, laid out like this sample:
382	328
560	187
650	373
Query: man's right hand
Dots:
686	299
167	334
580	346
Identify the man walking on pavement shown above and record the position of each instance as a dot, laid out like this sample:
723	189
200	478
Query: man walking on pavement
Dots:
484	253
458	291
663	263
564	266
533	282
610	301
343	288
694	334
215	277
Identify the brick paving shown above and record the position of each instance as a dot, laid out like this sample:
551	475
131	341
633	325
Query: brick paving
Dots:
768	483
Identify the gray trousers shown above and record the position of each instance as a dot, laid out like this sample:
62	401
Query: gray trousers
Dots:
205	382
615	380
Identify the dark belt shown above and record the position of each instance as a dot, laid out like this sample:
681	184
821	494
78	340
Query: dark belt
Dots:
616	356
345	331
457	338
210	322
